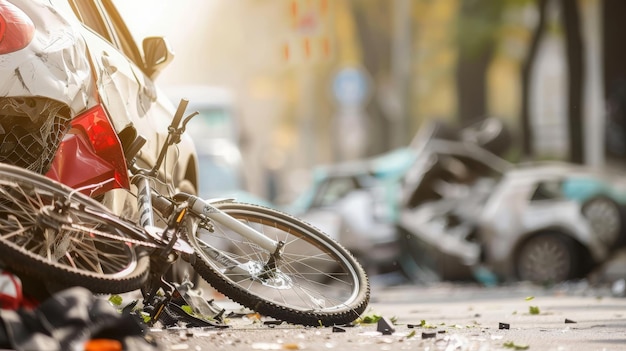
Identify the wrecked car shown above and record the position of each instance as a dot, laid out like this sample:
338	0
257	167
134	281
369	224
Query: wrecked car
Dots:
467	211
358	202
66	62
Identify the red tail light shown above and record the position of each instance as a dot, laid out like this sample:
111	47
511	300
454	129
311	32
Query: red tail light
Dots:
96	125
91	154
16	29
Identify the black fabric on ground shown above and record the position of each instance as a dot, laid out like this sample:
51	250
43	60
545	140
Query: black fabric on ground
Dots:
68	319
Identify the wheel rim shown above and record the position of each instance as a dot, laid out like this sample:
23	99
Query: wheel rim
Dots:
604	219
308	276
545	259
73	240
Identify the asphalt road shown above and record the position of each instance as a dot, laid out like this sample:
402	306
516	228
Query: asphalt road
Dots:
571	316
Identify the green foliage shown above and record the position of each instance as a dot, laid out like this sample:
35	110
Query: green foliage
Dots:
116	300
369	319
512	345
534	310
480	22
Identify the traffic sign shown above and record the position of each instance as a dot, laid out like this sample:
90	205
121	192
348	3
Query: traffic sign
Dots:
351	86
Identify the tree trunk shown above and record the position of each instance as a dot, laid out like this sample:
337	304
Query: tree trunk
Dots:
527	66
477	25
575	69
614	75
471	78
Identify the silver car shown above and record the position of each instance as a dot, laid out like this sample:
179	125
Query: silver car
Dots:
466	211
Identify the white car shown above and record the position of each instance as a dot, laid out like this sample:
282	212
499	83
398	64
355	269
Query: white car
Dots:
62	60
467	211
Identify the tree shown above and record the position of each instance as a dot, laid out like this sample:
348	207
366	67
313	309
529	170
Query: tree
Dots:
477	33
570	18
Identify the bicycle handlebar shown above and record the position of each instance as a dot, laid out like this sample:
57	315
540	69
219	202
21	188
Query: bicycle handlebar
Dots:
180	111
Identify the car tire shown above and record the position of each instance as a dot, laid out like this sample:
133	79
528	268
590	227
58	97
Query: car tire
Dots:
548	258
605	218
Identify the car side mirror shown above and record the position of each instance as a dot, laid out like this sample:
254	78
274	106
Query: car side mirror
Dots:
158	54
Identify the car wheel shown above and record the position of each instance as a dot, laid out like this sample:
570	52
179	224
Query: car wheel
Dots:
605	219
548	258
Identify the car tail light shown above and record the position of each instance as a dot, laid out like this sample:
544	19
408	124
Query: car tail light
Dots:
90	156
16	29
97	127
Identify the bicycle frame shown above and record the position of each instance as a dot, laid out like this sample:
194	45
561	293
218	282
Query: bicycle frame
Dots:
114	167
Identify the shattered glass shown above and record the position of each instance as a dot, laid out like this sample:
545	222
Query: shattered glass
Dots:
31	130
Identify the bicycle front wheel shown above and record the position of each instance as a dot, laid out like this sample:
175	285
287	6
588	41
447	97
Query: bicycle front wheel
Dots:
64	238
315	281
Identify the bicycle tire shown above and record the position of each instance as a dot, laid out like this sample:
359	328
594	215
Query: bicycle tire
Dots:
316	282
80	246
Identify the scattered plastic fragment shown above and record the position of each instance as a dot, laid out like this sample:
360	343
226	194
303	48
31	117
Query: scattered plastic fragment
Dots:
338	330
272	322
385	326
103	345
428	335
569	321
504	326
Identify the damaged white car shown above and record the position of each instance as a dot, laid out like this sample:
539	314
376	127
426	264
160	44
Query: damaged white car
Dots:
63	61
467	211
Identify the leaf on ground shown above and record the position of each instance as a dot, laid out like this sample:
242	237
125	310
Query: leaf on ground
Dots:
530	298
115	300
534	310
187	309
369	319
514	346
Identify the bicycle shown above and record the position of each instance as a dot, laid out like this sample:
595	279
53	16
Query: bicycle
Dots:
264	259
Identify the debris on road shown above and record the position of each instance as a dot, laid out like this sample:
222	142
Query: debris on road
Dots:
385	326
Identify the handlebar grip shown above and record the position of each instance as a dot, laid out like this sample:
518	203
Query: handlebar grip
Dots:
178	116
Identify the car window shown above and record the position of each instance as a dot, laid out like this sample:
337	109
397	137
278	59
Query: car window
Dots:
334	189
548	190
125	39
91	17
104	19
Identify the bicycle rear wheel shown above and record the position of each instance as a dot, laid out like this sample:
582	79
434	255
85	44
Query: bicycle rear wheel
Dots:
314	282
64	238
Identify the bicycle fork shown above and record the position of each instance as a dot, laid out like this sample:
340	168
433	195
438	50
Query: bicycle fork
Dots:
205	209
163	259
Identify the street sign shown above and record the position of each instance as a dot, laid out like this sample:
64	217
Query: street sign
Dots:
351	86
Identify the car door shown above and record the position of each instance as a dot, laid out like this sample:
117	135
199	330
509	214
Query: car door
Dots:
127	93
